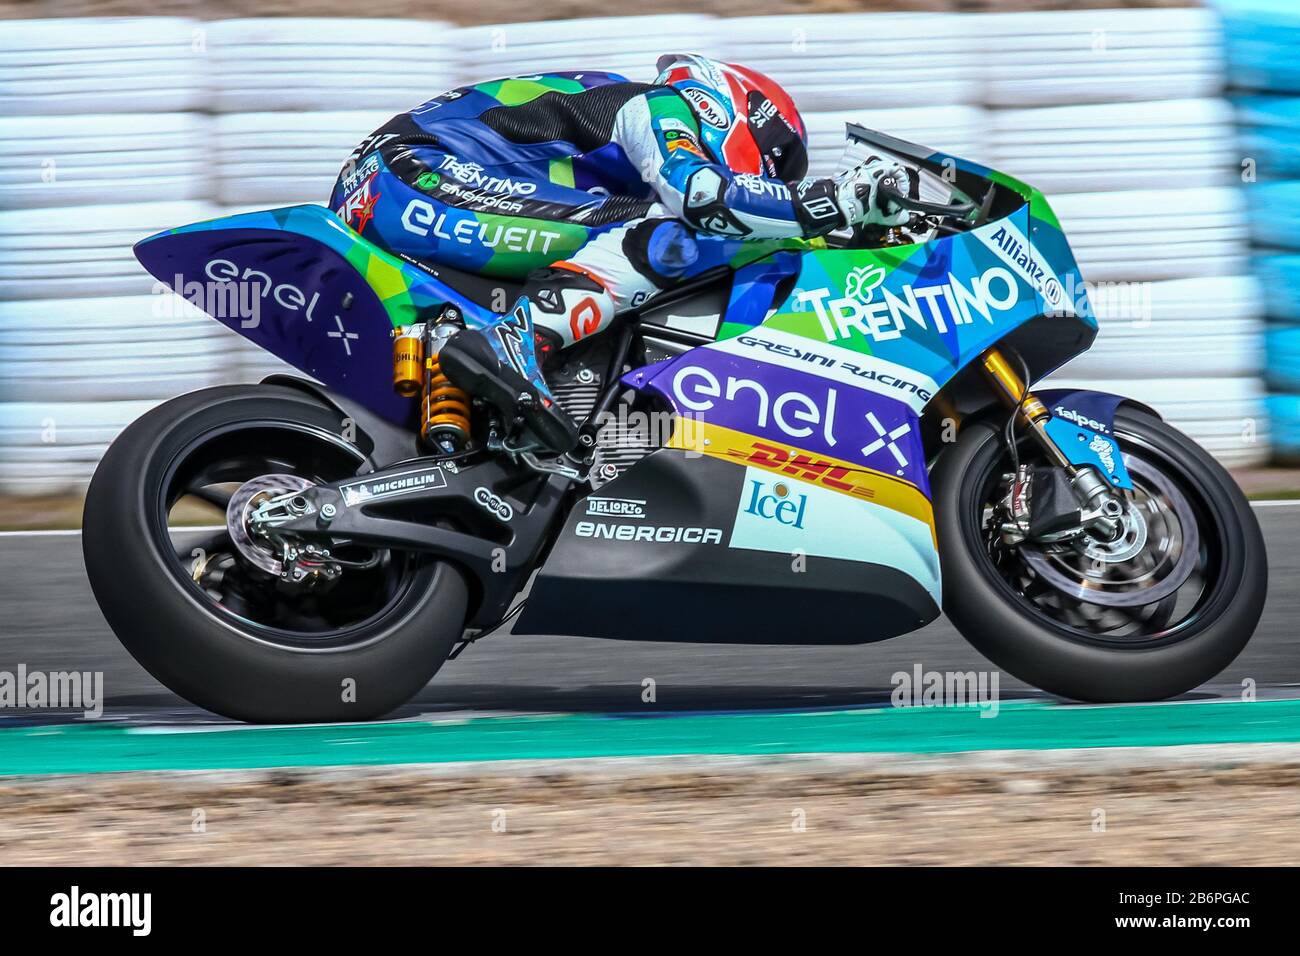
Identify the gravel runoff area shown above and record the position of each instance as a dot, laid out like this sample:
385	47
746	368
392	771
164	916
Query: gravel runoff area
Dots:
1184	806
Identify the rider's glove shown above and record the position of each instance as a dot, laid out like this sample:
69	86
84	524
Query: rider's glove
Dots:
857	193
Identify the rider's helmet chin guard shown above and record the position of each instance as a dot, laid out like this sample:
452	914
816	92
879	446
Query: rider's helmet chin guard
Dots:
748	122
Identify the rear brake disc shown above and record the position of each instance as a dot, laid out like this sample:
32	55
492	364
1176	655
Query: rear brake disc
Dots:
244	502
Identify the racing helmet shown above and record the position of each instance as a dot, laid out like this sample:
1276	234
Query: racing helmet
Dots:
749	124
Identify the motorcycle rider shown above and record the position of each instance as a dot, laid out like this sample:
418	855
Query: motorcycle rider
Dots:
601	192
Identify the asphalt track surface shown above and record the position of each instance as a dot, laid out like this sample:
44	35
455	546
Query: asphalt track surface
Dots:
49	621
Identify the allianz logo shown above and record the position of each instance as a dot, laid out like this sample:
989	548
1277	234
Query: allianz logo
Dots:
939	307
1023	257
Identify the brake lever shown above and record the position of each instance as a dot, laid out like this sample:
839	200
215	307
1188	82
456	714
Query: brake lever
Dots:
887	191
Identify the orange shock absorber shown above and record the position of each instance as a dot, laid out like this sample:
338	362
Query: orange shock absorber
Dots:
408	360
445	408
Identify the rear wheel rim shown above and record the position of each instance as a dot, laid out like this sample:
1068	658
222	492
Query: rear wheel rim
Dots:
208	567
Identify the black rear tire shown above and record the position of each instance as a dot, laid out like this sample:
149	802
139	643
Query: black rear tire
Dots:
213	658
1059	659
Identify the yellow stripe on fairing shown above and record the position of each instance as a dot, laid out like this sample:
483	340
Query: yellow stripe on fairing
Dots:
838	475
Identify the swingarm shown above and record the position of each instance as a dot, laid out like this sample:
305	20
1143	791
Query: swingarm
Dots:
483	516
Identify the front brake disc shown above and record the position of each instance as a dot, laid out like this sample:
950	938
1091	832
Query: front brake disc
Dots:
1094	573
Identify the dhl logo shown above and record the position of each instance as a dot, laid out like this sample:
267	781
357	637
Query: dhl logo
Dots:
801	465
839	476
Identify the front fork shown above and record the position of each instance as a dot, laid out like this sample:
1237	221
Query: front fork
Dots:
1100	508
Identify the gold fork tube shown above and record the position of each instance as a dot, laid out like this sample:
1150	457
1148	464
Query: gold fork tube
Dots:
1015	392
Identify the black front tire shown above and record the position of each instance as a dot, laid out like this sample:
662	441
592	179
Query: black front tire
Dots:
213	659
1051	656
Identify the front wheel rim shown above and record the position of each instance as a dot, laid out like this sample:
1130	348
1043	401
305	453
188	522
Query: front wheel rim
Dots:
1170	614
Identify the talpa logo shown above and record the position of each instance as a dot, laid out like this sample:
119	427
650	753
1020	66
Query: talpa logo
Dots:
778	504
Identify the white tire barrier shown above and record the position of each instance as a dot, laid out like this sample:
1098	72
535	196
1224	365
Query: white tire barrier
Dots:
1155	234
146	347
1098	56
282	158
75	160
1215	322
83	250
102	65
1129	145
307	63
625	45
49	448
861	61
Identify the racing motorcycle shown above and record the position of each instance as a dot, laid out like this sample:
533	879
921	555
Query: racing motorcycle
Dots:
824	444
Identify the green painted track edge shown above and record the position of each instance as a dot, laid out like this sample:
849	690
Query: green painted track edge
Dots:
1020	725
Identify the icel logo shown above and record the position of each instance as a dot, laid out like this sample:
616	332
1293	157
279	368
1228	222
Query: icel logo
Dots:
777	505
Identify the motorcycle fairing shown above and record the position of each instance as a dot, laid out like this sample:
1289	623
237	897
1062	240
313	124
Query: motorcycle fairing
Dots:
308	289
753	288
659	544
825	393
931	307
799	421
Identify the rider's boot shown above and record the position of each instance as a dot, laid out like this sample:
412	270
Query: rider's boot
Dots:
561	305
499	364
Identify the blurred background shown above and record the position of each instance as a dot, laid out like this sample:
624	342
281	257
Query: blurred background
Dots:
1167	138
